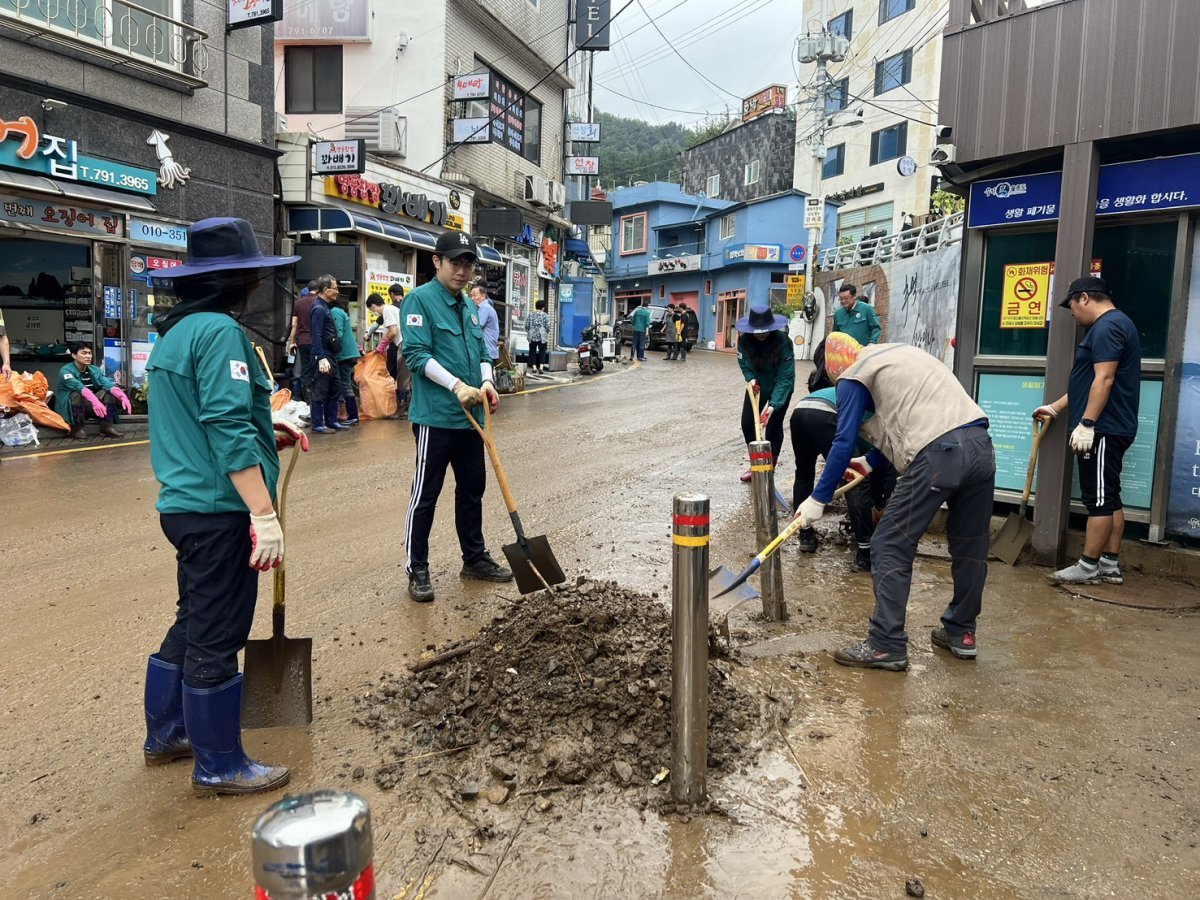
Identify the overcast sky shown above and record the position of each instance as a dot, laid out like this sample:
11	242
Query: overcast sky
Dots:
741	46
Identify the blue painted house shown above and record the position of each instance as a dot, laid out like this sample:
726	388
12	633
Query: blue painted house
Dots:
715	256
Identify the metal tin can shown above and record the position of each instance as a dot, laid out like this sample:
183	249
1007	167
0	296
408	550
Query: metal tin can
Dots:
314	845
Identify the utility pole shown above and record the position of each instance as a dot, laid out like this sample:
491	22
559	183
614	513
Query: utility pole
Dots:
820	47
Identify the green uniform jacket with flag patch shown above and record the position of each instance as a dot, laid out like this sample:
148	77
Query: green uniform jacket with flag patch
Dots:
438	325
69	384
210	415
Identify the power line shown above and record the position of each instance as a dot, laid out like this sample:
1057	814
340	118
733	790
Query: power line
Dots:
675	50
691	112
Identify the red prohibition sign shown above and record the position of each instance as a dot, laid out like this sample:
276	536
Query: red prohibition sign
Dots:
1025	289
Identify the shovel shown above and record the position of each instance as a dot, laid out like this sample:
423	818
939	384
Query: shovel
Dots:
277	684
724	579
530	558
1010	540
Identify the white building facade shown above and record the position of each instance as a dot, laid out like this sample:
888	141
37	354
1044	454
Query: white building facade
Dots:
880	116
401	76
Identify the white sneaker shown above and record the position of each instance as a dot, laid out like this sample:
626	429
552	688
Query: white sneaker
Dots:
1076	574
1110	573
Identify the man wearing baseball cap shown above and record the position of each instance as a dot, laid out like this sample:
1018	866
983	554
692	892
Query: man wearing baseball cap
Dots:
451	371
1102	406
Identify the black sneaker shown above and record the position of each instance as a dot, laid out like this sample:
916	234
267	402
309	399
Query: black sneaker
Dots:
862	560
486	569
962	646
807	539
864	656
419	587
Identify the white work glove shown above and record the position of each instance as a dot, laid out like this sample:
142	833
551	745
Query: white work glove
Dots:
266	542
491	396
1082	438
811	511
857	466
468	396
323	367
1045	413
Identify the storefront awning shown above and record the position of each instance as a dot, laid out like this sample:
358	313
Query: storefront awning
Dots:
332	218
23	181
576	247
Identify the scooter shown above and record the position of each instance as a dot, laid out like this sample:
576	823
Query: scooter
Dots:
591	352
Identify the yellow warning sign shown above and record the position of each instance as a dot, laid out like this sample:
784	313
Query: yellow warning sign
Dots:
1026	295
795	288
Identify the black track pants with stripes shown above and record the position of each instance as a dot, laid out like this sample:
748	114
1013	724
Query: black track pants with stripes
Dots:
461	449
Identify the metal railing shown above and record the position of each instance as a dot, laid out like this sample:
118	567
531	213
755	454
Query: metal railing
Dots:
123	29
871	251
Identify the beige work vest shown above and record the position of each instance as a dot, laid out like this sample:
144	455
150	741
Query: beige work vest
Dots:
917	398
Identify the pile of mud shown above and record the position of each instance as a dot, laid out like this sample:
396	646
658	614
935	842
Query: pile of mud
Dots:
572	686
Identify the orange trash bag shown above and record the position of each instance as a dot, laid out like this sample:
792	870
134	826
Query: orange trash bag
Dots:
26	393
376	388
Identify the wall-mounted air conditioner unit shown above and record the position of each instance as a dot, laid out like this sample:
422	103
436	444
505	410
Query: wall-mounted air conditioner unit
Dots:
558	194
537	191
385	132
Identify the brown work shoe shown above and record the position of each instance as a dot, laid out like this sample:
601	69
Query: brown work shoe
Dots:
107	430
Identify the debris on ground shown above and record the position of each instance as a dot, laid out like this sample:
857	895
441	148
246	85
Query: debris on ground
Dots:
570	686
914	888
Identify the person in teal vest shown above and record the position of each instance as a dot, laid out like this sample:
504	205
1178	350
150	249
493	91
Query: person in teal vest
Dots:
641	330
347	358
83	391
214	449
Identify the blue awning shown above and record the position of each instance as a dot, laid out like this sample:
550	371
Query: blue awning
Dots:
334	218
577	247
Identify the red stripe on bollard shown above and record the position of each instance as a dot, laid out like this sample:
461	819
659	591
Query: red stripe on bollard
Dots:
691	520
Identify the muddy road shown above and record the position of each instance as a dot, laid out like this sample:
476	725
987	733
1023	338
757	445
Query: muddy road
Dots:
1063	763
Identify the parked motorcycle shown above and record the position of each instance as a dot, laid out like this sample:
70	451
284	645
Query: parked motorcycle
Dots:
591	352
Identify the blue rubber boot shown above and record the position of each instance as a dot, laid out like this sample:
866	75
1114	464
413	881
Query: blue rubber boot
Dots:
214	724
331	416
166	738
317	414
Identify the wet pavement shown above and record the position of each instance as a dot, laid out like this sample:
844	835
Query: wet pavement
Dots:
1064	762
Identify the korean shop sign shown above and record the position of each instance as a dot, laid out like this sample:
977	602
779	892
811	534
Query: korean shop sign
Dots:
1168	182
63	217
592	21
326	20
245	13
330	157
389	198
24	147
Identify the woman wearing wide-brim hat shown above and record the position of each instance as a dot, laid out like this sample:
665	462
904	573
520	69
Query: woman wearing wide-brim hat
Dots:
214	450
764	352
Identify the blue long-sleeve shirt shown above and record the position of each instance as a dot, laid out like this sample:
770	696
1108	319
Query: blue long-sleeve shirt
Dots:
489	322
853	400
317	326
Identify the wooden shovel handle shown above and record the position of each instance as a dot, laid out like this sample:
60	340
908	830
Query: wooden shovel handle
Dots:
280	581
488	442
266	366
758	431
1039	431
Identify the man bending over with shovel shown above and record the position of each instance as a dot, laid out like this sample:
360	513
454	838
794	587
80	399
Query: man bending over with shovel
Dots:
936	436
451	371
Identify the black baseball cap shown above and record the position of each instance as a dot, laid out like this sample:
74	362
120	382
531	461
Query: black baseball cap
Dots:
453	244
1089	285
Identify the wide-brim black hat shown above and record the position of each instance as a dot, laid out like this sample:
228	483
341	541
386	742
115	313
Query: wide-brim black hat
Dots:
761	320
222	245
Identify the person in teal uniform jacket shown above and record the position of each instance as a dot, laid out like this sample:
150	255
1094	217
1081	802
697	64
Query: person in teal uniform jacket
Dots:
855	317
83	391
347	358
214	449
768	364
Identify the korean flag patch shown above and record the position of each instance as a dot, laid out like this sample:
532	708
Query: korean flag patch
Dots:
414	320
238	370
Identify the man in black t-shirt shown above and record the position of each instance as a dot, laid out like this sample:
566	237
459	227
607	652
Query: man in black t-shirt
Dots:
1102	403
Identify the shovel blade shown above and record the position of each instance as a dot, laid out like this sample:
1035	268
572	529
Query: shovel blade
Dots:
535	553
722	579
277	684
1011	539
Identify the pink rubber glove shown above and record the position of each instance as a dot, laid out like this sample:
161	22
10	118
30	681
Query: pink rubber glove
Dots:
382	348
120	395
98	408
